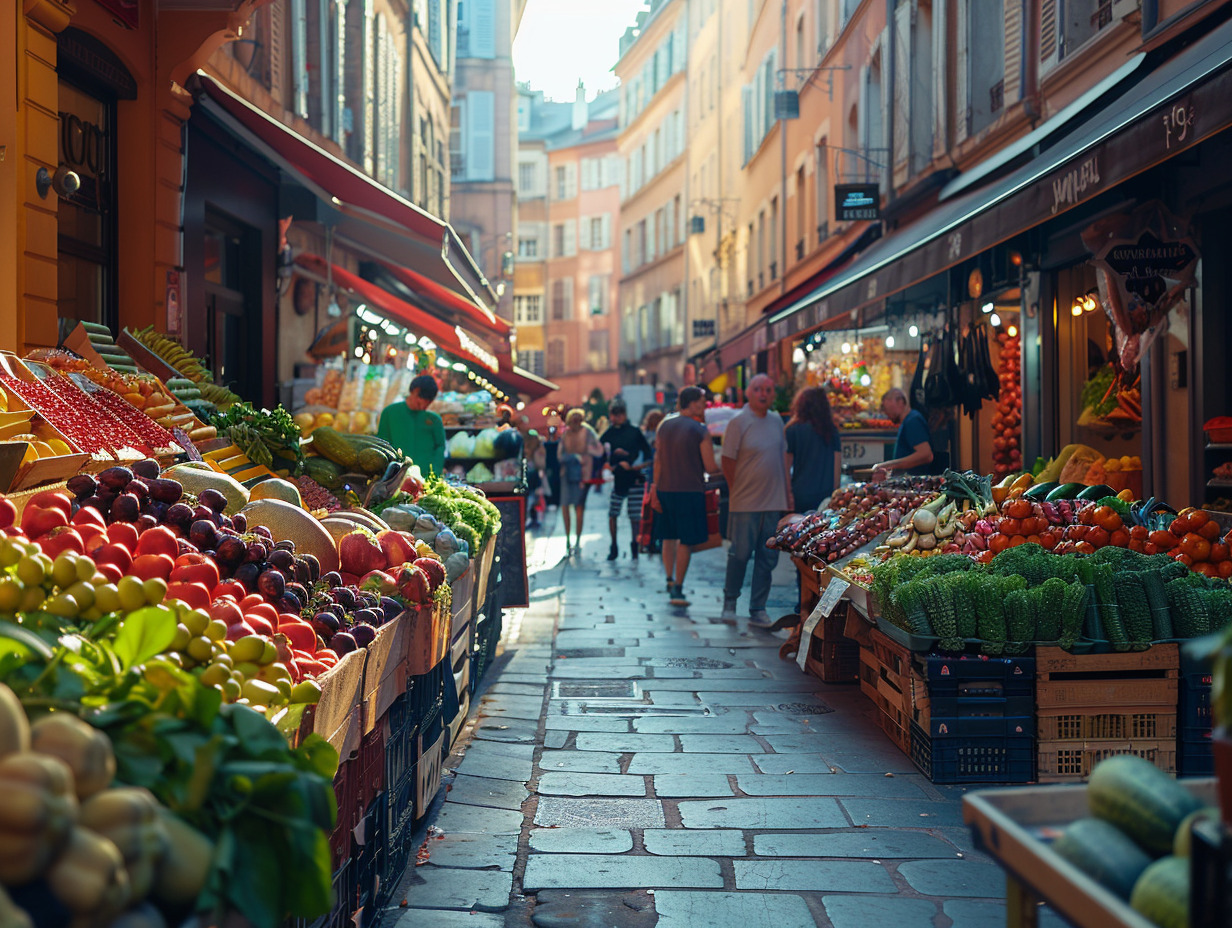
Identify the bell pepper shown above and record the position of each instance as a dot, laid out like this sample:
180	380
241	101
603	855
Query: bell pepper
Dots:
158	540
61	538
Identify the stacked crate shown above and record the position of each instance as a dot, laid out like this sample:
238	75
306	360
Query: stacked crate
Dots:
973	719
1092	706
832	657
885	678
1194	757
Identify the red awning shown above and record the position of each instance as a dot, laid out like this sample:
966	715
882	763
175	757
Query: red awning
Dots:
444	296
519	380
418	321
367	211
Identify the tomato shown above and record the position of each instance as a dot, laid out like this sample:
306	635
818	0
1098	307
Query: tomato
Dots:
148	566
1018	508
110	571
1119	538
1033	539
194	595
159	540
63	538
1136	545
231	588
1225	569
1162	540
1084	547
251	599
206	574
1106	518
1179	526
1206	569
1097	536
998	543
1085	515
1197	517
1183	558
1209	531
1220	552
36	521
8	512
52	499
123	533
1048	540
1010	526
88	515
1150	548
114	554
1075	532
299	634
1016	540
1196	546
1139	533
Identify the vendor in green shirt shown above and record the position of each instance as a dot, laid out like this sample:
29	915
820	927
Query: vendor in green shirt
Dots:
414	431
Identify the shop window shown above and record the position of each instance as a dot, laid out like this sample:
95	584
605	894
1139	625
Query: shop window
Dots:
232	280
985	64
599	287
597	356
531	360
526	178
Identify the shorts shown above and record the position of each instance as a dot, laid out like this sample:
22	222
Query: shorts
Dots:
633	507
683	517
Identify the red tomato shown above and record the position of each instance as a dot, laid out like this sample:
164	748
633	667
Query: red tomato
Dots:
36	521
88	515
239	630
225	611
8	512
159	540
52	499
1206	569
147	566
299	634
1196	546
194	595
1048	540
114	554
1162	540
1219	552
1183	558
1224	568
1209	531
110	571
206	574
1084	547
1016	540
1139	533
232	588
1011	526
63	538
997	543
123	533
1097	536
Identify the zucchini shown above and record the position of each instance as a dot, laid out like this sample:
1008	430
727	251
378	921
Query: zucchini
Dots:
1141	800
1039	492
1162	893
1066	491
1096	492
1104	853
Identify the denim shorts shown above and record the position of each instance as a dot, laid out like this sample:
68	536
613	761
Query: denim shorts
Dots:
683	517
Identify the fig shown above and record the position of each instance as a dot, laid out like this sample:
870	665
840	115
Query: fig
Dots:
147	469
138	487
257	552
82	486
166	491
144	521
390	608
288	603
247	574
344	596
331	579
325	624
263	532
297	590
285	545
115	478
366	616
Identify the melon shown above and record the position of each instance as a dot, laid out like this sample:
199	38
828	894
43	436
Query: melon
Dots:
287	521
195	478
277	488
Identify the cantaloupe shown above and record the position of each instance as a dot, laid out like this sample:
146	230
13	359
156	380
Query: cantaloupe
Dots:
195	477
277	488
291	522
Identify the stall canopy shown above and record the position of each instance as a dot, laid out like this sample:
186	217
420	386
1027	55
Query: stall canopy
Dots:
451	339
519	380
433	293
1181	103
362	212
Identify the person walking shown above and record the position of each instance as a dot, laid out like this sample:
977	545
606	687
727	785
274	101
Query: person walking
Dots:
414	430
625	445
578	443
913	448
815	460
536	461
759	488
684	455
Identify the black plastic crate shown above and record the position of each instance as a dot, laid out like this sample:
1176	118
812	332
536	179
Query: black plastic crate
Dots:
978	676
371	763
1195	761
427	689
400	802
1194	701
980	726
369	857
995	759
958	707
397	859
350	811
400	747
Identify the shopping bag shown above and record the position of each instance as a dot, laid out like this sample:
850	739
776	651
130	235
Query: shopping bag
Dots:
713	539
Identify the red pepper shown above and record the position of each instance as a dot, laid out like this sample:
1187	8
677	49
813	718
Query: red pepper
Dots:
62	538
52	499
38	520
194	595
148	566
88	515
123	533
159	540
8	512
204	573
114	554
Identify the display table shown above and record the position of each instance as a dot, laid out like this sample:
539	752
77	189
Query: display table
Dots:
1008	825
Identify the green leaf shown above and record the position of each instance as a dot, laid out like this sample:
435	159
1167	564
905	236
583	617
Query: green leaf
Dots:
143	634
255	732
320	756
15	640
288	720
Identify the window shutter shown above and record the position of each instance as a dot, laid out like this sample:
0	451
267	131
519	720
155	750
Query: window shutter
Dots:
1049	39
277	43
482	17
567	288
584	241
901	92
746	106
669	224
605	225
339	75
480	141
652	241
571	180
570	238
434	30
1014	46
587	174
962	89
299	56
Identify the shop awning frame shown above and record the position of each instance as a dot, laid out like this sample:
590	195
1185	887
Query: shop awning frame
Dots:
356	206
1129	136
519	380
432	292
451	339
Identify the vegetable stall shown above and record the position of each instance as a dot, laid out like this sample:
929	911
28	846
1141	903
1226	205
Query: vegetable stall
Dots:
229	671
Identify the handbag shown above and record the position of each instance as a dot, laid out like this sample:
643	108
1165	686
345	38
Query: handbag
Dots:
713	538
917	396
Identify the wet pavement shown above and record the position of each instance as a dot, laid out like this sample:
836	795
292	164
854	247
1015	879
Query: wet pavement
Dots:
633	764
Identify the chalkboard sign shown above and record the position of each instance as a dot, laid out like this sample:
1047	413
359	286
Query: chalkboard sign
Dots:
513	587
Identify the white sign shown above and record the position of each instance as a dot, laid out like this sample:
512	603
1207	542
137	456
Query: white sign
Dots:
825	605
485	357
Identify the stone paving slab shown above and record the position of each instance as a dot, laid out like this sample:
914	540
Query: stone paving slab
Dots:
442	888
601	871
872	843
624	743
792	764
439	918
676	842
862	911
970	913
600	813
474	852
954	878
591	784
726	724
896	813
514	689
891	761
580	761
553	740
594	908
816	875
721	744
584	723
810	813
698	785
515	731
689	763
827	784
495	767
490	792
731	910
456	818
581	840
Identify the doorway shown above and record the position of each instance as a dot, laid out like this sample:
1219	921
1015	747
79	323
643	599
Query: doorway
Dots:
232	305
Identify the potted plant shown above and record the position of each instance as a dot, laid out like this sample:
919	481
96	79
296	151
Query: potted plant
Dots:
1215	650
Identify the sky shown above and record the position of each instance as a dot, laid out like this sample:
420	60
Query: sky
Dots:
561	41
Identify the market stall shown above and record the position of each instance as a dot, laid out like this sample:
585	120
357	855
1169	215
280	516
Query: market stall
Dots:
214	622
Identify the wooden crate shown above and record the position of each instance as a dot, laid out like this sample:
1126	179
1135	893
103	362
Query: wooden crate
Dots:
1127	723
885	679
833	661
1073	761
1134	678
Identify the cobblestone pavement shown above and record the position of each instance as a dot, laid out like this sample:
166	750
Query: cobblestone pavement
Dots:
633	764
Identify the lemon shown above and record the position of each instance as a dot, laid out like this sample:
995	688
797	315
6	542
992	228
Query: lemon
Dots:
43	449
59	447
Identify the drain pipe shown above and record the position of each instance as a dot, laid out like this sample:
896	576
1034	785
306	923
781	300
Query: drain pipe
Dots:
891	80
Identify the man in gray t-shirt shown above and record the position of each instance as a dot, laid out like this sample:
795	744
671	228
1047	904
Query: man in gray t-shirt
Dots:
759	492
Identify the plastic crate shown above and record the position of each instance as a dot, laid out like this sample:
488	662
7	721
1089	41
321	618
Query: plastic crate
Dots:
400	747
350	811
1195	760
369	857
1100	725
1073	761
1194	701
397	858
371	763
977	726
993	759
400	802
984	677
428	773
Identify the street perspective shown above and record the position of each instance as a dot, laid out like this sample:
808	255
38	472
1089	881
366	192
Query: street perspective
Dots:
623	464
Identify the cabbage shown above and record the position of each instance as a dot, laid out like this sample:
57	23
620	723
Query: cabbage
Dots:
400	518
456	565
445	543
460	446
480	473
485	444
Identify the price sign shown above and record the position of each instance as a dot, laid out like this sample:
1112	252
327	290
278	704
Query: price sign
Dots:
825	605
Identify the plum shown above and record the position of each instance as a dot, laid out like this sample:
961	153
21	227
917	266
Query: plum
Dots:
125	508
203	534
166	491
257	552
344	596
212	498
178	514
390	608
325	624
138	487
115	478
297	590
263	532
367	616
364	635
271	583
239	522
285	545
145	521
247	574
314	566
343	643
281	559
232	550
331	579
82	485
147	469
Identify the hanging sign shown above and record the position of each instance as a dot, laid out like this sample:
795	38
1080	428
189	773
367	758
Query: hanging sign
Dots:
857	201
825	605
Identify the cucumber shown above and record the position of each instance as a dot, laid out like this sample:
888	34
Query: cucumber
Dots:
1104	853
1096	492
1141	800
1162	893
1065	491
95	328
1039	492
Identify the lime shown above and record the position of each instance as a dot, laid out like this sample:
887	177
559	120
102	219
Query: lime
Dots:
306	691
200	648
215	630
155	590
63	605
182	637
132	594
249	648
231	690
86	569
83	593
107	597
196	620
10	554
30	571
64	570
215	675
10	594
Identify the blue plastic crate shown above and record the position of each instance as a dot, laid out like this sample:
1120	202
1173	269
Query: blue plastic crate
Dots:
971	675
345	898
1194	701
1195	760
957	707
980	726
994	759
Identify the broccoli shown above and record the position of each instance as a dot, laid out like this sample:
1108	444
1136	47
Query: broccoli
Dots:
1073	613
1048	620
939	605
1157	600
1019	622
1190	615
959	588
990	613
1135	610
1219	608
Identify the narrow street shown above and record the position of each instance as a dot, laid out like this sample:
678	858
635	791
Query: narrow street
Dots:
633	764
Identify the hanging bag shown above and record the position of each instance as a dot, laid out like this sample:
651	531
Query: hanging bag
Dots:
917	395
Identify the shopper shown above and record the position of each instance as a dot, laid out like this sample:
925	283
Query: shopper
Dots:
684	455
913	449
413	429
814	454
536	461
627	449
650	427
597	461
578	444
755	467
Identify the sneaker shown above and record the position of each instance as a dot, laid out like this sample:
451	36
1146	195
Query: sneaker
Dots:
729	609
678	597
613	552
670	585
633	549
760	619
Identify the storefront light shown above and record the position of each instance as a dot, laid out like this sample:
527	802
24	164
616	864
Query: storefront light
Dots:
441	362
889	341
1089	304
986	308
995	320
866	381
426	343
459	366
845	348
1012	331
797	356
1076	309
359	351
521	406
367	358
913	330
409	338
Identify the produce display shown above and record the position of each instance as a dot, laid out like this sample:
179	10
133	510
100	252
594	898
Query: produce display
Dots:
179	358
269	438
1107	401
1007	420
1136	842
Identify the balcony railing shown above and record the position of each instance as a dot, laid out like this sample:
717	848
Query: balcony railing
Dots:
774	271
996	95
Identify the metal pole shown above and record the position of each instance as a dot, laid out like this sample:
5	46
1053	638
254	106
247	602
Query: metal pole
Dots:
722	192
783	159
891	77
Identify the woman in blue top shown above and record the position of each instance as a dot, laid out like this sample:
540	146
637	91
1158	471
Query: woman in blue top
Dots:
814	454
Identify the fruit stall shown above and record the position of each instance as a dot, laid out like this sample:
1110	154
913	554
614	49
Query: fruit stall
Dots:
235	655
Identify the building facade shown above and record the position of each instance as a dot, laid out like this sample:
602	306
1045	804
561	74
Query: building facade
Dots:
652	144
